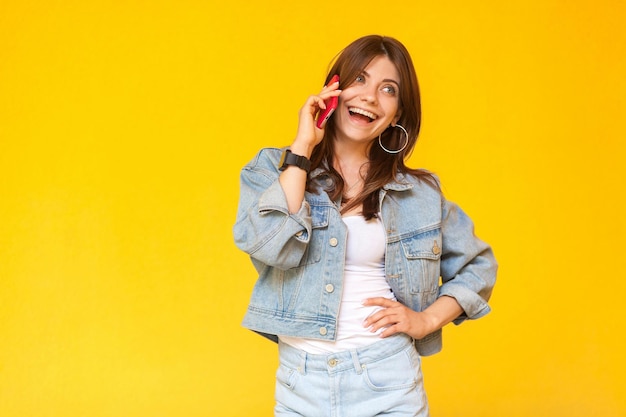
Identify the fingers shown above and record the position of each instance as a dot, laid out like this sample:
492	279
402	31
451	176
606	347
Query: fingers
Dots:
380	301
393	318
376	322
307	132
330	90
382	318
390	324
317	101
391	330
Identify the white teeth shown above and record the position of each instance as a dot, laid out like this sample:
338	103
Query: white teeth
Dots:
363	112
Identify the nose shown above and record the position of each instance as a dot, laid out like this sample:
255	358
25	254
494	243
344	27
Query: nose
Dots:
369	95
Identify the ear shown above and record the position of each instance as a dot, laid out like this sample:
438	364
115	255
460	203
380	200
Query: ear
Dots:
396	117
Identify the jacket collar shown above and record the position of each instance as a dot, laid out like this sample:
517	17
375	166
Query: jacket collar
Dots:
400	183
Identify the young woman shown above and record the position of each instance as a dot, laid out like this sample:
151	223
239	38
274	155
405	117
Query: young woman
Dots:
361	259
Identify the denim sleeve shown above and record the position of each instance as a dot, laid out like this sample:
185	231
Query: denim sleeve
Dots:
264	228
468	267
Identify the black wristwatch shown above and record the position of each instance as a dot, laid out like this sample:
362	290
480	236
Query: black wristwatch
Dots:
289	158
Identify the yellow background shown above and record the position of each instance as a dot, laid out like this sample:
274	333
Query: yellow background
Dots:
123	126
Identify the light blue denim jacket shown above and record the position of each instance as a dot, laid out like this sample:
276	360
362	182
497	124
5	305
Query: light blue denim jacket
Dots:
300	257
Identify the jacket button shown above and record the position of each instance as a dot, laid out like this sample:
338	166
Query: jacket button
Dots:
436	248
323	331
333	362
330	288
333	241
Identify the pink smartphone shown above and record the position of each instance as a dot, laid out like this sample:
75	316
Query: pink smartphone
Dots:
331	105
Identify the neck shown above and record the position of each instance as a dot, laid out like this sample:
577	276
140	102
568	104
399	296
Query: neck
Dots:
350	155
353	169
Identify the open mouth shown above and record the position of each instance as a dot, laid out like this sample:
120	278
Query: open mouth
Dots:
361	114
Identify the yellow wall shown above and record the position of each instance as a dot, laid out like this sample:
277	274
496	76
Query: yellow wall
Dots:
123	126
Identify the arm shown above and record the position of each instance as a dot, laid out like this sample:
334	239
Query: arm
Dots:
293	179
273	221
264	228
468	267
401	319
468	272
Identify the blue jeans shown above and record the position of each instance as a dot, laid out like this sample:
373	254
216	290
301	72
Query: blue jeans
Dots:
382	378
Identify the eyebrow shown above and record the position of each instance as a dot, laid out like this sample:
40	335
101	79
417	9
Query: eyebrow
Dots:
387	80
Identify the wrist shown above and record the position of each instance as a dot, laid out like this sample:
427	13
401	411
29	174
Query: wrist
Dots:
433	322
289	158
302	148
442	312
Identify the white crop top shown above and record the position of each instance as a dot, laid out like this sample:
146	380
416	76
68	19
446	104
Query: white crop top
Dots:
364	277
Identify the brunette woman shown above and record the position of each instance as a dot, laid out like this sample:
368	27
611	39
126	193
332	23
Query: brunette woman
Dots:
361	259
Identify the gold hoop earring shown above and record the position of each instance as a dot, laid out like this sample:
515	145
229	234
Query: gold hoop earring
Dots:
406	142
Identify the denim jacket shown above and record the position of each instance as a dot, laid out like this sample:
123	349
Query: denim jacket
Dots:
431	251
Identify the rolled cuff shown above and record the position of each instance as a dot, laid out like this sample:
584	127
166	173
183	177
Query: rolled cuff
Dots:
274	199
473	305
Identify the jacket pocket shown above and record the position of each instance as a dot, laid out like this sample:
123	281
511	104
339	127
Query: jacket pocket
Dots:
423	254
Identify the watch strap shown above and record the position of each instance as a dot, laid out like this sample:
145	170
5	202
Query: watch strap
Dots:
289	158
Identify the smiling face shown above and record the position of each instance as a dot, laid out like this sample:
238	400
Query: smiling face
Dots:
369	103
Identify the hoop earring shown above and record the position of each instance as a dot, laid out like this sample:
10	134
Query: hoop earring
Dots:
406	142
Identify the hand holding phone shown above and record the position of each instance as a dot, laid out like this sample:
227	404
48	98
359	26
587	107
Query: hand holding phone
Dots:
331	105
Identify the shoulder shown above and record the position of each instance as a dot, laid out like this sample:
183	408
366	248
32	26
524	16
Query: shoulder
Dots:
418	180
263	167
265	163
265	158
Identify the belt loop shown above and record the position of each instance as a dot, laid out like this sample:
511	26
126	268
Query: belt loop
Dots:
355	361
302	364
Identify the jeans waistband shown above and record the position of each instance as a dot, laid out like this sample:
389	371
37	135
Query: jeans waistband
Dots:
335	362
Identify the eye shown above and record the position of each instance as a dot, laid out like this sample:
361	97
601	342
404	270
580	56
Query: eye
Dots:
389	89
360	79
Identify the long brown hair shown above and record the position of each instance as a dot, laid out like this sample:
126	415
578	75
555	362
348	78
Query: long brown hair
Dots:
383	166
